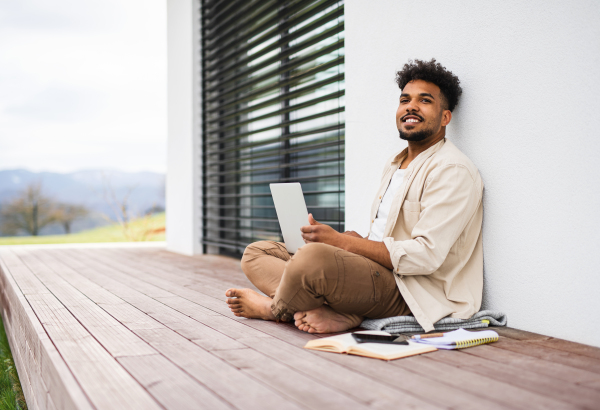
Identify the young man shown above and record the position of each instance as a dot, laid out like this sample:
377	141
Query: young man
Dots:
423	255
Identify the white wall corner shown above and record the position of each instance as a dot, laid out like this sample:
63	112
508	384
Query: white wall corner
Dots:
184	184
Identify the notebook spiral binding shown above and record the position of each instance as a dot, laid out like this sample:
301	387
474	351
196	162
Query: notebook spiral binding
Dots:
471	343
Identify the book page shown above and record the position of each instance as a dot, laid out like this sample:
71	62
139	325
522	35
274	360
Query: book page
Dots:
386	350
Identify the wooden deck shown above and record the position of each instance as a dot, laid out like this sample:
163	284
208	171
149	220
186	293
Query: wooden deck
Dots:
142	328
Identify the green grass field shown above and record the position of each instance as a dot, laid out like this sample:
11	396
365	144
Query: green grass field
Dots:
143	229
11	395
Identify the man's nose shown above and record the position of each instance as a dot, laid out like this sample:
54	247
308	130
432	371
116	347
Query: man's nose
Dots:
412	106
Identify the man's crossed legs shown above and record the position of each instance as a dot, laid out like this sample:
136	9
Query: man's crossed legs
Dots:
323	288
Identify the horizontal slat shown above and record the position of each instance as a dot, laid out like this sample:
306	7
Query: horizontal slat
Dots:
234	72
248	13
244	30
223	56
263	194
281	166
218	207
239	88
287	96
272	127
285	137
284	67
272	181
278	151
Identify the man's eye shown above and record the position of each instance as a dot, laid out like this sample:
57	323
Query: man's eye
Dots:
403	101
426	100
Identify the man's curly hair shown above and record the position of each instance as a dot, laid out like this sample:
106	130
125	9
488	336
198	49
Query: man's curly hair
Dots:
433	72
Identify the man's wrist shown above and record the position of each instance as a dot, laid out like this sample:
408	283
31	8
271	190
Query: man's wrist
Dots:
341	241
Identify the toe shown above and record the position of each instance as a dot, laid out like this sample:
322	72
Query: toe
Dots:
299	315
233	301
232	292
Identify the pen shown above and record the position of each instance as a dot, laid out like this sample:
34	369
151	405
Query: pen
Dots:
428	335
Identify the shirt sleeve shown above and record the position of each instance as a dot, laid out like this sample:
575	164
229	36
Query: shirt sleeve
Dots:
450	199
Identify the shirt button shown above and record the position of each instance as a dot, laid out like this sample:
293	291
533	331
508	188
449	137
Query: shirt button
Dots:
376	273
379	196
373	220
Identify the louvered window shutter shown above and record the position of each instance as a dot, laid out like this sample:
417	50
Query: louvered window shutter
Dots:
273	111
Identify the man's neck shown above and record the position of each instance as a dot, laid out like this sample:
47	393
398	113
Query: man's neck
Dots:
416	147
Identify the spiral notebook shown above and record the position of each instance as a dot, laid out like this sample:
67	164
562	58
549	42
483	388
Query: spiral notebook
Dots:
459	339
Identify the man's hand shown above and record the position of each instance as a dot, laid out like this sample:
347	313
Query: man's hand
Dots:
349	241
317	232
353	233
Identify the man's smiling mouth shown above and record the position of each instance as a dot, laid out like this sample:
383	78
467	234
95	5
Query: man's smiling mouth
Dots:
412	118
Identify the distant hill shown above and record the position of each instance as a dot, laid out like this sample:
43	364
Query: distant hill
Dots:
88	188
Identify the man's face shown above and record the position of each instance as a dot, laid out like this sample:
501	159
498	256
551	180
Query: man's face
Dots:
420	114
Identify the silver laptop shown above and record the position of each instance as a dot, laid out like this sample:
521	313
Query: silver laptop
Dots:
291	212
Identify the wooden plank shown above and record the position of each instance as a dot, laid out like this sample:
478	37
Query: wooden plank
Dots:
240	389
370	390
519	361
535	382
116	338
173	388
222	321
28	337
571	347
212	266
594	384
221	377
297	387
216	285
154	292
440	384
550	354
178	285
114	280
517	334
105	382
463	379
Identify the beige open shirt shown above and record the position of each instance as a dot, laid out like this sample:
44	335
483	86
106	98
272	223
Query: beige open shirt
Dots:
433	233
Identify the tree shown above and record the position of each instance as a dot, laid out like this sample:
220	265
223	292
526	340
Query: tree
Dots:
66	214
29	211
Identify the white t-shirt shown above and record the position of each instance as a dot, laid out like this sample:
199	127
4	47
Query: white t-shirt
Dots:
385	205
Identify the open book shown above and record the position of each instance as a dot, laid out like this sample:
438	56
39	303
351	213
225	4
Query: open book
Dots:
460	339
346	344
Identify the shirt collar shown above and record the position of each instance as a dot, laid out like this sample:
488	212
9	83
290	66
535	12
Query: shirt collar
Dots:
397	160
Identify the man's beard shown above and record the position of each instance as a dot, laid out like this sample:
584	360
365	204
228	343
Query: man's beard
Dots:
416	136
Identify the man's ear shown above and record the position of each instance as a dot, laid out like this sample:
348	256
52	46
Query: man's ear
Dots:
446	117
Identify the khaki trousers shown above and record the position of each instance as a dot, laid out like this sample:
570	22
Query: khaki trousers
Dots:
318	274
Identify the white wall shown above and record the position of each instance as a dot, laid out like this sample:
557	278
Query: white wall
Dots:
529	119
183	151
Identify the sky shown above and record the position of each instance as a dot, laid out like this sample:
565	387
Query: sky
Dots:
83	85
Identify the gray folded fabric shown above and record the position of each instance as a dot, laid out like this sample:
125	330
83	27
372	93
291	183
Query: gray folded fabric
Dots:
408	324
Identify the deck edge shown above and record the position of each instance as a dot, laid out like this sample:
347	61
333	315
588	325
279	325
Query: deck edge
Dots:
45	378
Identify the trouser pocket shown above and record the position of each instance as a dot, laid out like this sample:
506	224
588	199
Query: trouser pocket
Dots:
359	280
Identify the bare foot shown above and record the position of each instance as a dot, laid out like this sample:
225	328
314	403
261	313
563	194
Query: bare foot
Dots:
325	320
248	303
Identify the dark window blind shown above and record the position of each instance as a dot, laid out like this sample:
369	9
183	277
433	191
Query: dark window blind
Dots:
273	111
